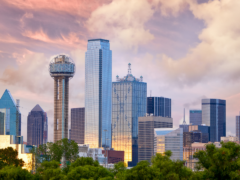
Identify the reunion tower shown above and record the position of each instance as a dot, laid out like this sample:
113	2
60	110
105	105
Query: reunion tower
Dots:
61	69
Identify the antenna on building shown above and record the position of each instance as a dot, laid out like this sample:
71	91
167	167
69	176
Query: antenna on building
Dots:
184	122
117	78
129	68
141	78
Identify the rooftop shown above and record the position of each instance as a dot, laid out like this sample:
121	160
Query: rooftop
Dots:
102	40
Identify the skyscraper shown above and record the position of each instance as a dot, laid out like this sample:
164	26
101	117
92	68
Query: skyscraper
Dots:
61	68
37	126
77	125
146	127
12	114
98	93
238	127
169	139
159	106
195	117
214	115
129	102
4	121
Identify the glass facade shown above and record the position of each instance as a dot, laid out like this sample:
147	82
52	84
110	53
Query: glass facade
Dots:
98	93
205	130
13	115
159	106
169	139
129	101
4	121
214	115
77	125
238	127
195	117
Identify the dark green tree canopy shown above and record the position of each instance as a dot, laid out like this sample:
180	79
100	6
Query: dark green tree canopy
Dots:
8	157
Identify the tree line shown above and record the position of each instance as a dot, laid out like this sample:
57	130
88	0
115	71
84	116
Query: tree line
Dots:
213	164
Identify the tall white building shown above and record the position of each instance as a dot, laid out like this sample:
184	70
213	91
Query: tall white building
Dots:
169	139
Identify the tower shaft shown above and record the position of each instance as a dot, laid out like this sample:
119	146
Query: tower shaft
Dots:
61	98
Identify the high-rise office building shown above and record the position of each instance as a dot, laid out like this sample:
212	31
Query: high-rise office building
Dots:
214	115
169	139
205	130
62	69
159	106
195	117
146	127
4	121
37	126
12	114
98	93
129	102
77	125
238	127
184	125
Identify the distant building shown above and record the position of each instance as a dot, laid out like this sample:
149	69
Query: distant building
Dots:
98	93
214	115
169	139
114	156
37	126
14	119
77	125
69	135
4	121
205	130
238	126
195	117
159	106
129	102
230	138
146	127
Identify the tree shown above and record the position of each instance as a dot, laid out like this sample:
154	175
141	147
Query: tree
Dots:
12	172
219	163
9	156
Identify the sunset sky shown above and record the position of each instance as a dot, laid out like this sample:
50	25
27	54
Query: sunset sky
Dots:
185	50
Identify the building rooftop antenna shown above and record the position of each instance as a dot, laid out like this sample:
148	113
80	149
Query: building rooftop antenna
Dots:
129	68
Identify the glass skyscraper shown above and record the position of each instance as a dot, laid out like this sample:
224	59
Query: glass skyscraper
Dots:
159	106
129	102
98	93
4	121
11	113
169	139
214	115
238	127
77	125
195	117
37	126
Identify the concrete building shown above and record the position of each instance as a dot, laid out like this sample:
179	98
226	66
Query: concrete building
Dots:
214	115
129	102
205	130
62	69
195	117
114	156
37	126
146	127
230	138
23	150
169	139
159	106
98	93
12	114
78	125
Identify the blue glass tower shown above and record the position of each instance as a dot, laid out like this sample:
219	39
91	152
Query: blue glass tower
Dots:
98	93
214	115
14	124
159	106
129	102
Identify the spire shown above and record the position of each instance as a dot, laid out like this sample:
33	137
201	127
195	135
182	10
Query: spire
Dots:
184	122
129	68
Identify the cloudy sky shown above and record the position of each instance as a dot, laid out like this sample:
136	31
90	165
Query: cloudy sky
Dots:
185	50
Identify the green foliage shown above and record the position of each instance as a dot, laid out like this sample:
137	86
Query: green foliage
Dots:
8	157
220	163
13	172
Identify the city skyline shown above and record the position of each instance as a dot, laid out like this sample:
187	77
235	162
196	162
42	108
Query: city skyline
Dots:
175	34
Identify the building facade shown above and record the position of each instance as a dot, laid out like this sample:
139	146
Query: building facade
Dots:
62	69
98	93
37	126
77	125
159	106
169	139
205	130
195	117
129	102
114	156
4	121
238	126
214	115
146	127
12	114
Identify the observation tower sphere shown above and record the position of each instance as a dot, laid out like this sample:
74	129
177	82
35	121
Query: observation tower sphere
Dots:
61	69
